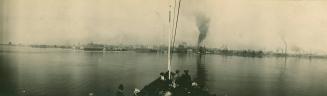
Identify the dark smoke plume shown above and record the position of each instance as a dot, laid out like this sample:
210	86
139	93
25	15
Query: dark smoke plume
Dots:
202	23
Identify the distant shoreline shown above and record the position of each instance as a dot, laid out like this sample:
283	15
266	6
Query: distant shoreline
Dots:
189	50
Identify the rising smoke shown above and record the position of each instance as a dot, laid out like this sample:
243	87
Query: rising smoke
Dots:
202	22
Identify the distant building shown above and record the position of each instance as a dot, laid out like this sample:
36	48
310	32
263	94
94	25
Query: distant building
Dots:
94	47
181	48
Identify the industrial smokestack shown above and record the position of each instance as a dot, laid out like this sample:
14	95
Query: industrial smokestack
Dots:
202	23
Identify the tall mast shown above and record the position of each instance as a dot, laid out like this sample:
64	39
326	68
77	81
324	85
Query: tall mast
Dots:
169	41
172	28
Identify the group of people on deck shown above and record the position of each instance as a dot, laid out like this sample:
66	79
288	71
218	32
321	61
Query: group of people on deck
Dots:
175	85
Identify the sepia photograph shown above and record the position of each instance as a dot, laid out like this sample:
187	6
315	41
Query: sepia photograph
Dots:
163	47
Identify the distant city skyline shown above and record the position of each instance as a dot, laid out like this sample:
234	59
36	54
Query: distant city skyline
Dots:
239	24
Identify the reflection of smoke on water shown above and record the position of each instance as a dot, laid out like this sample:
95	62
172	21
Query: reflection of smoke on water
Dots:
201	70
281	80
283	67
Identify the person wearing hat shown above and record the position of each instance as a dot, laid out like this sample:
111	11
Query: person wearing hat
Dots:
186	80
120	91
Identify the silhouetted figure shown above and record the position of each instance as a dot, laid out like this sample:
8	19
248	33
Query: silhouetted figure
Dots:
177	73
164	82
177	78
186	80
166	74
162	76
120	91
169	81
137	92
163	86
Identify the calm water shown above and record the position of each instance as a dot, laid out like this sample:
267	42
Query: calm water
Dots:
59	72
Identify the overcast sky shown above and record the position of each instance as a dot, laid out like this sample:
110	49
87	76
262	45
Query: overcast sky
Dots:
237	24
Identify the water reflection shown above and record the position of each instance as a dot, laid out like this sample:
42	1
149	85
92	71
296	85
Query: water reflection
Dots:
78	73
201	71
7	72
48	75
281	82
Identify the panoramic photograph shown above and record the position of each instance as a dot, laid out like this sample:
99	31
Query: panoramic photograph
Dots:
163	48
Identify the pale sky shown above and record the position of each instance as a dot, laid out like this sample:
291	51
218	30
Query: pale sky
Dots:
237	24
